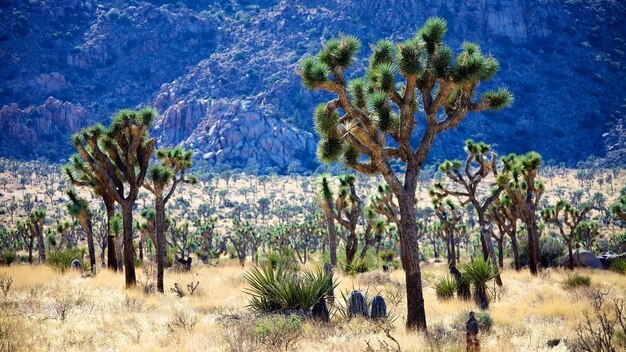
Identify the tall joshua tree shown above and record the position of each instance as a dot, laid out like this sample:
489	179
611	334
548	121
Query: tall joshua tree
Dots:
449	214
79	209
468	176
80	173
567	219
325	200
359	137
35	223
374	109
119	157
502	213
170	172
520	183
62	227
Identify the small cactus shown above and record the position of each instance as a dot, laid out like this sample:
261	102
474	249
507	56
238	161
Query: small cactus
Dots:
379	308
356	304
320	312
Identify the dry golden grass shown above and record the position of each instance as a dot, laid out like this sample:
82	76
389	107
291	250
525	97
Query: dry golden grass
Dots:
47	310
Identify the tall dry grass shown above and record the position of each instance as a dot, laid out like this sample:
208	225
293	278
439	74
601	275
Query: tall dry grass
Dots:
46	310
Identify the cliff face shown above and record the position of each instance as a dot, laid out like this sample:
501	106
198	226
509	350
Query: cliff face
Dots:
205	63
40	130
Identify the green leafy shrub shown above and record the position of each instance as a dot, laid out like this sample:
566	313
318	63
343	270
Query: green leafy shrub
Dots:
445	287
278	332
551	252
61	259
575	281
7	258
285	290
358	266
619	266
284	258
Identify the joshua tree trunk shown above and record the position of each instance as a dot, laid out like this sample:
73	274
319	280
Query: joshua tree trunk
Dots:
532	259
111	256
85	222
485	232
409	254
332	239
352	244
160	240
129	252
40	243
570	263
501	252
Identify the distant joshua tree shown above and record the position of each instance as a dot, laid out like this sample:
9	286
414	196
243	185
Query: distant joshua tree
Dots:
35	224
79	209
567	219
118	157
445	85
170	172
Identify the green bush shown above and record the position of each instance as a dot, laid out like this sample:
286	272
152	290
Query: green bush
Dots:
551	251
284	258
619	266
387	256
445	287
358	266
278	332
7	258
61	259
575	281
285	290
484	321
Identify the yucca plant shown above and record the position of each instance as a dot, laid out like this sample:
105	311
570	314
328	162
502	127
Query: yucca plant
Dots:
445	287
285	290
480	273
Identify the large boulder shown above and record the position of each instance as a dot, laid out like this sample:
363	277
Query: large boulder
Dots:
607	258
583	258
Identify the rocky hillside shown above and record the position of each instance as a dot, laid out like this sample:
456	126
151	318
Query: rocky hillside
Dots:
221	74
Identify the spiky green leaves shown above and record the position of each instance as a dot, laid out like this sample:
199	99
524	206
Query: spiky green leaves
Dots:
433	32
350	155
410	59
325	121
358	90
314	73
329	149
448	165
383	77
500	99
339	52
531	161
440	60
384	53
474	148
385	119
325	192
160	175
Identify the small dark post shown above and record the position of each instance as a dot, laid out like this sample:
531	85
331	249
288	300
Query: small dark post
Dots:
473	345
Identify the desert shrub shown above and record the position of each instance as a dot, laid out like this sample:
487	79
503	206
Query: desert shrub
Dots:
603	327
445	286
238	335
65	301
387	256
181	319
7	258
284	258
12	334
147	279
61	259
374	278
479	274
485	322
283	289
551	251
619	266
278	332
576	281
357	266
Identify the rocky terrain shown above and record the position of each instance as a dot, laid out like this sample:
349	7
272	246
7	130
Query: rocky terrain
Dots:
221	74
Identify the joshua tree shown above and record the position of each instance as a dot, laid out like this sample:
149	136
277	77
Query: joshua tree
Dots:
119	157
170	172
373	226
358	137
11	207
325	199
587	232
567	219
520	183
449	214
79	209
502	213
35	223
81	173
468	176
23	229
62	227
209	238
346	210
619	208
147	228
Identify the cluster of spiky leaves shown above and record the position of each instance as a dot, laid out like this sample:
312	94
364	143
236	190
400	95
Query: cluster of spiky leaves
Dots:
282	289
424	58
77	206
519	170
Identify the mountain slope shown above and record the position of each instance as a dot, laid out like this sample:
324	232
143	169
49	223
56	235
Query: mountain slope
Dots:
204	64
